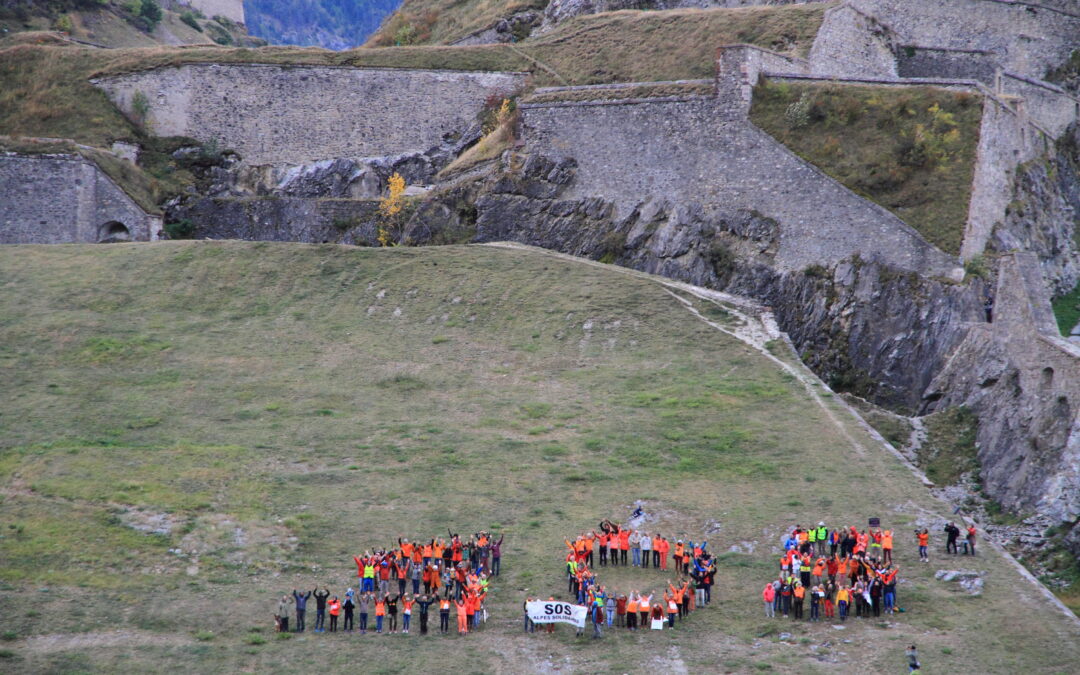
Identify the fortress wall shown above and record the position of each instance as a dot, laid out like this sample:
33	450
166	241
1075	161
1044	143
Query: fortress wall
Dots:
1023	381
1049	106
300	114
955	64
1006	140
1028	39
53	199
852	44
634	152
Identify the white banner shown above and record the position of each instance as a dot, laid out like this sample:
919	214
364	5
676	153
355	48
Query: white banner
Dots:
553	611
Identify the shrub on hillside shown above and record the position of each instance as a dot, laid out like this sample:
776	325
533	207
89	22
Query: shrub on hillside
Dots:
190	19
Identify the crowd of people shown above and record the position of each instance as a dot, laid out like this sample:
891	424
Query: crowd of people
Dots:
690	588
836	572
461	568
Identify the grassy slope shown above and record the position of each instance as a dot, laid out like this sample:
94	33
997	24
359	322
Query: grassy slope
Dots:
279	389
892	146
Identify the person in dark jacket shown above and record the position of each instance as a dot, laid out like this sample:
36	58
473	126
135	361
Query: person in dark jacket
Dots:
301	608
496	554
425	602
348	607
952	532
320	608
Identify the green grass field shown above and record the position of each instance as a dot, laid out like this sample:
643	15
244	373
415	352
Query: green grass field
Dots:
279	407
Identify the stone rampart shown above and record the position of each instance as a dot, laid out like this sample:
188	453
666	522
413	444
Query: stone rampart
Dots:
851	43
273	114
633	153
1049	106
1023	381
1027	38
960	64
55	199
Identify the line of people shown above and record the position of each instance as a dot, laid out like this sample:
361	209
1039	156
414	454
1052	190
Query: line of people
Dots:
806	574
460	567
613	542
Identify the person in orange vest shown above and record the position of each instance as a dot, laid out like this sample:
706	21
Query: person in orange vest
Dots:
603	539
924	544
799	592
624	544
380	612
632	610
334	607
680	548
672	608
644	605
886	547
817	572
444	612
656	551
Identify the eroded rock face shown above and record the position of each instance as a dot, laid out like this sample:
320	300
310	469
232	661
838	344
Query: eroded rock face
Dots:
863	326
970	580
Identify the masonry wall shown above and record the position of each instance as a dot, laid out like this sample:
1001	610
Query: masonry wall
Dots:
298	114
946	63
1005	141
1023	381
1028	39
54	199
638	152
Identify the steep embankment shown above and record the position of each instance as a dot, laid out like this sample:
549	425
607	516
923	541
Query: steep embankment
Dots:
193	428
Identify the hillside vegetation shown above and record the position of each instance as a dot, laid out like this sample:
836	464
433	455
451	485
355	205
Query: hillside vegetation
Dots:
115	23
272	409
911	150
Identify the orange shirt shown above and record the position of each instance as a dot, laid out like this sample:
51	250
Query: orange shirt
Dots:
380	608
924	539
632	606
886	539
407	549
800	592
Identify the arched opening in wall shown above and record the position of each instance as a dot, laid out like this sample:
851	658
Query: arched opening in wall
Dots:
113	231
1047	378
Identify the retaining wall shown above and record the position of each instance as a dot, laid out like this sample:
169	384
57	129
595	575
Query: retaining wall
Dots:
56	199
274	114
689	151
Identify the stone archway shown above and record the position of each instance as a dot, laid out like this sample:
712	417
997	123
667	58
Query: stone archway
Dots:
112	232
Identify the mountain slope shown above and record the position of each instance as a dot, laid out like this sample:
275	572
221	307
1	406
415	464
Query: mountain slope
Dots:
271	410
334	24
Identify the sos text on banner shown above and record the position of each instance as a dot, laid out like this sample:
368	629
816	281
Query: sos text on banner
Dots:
553	611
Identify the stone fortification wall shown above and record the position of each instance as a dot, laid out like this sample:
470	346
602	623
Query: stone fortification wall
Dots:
1027	38
959	64
1023	381
55	199
851	43
640	152
1049	106
738	68
298	114
1006	139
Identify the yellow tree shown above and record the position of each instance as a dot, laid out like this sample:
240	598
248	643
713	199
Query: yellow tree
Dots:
390	208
